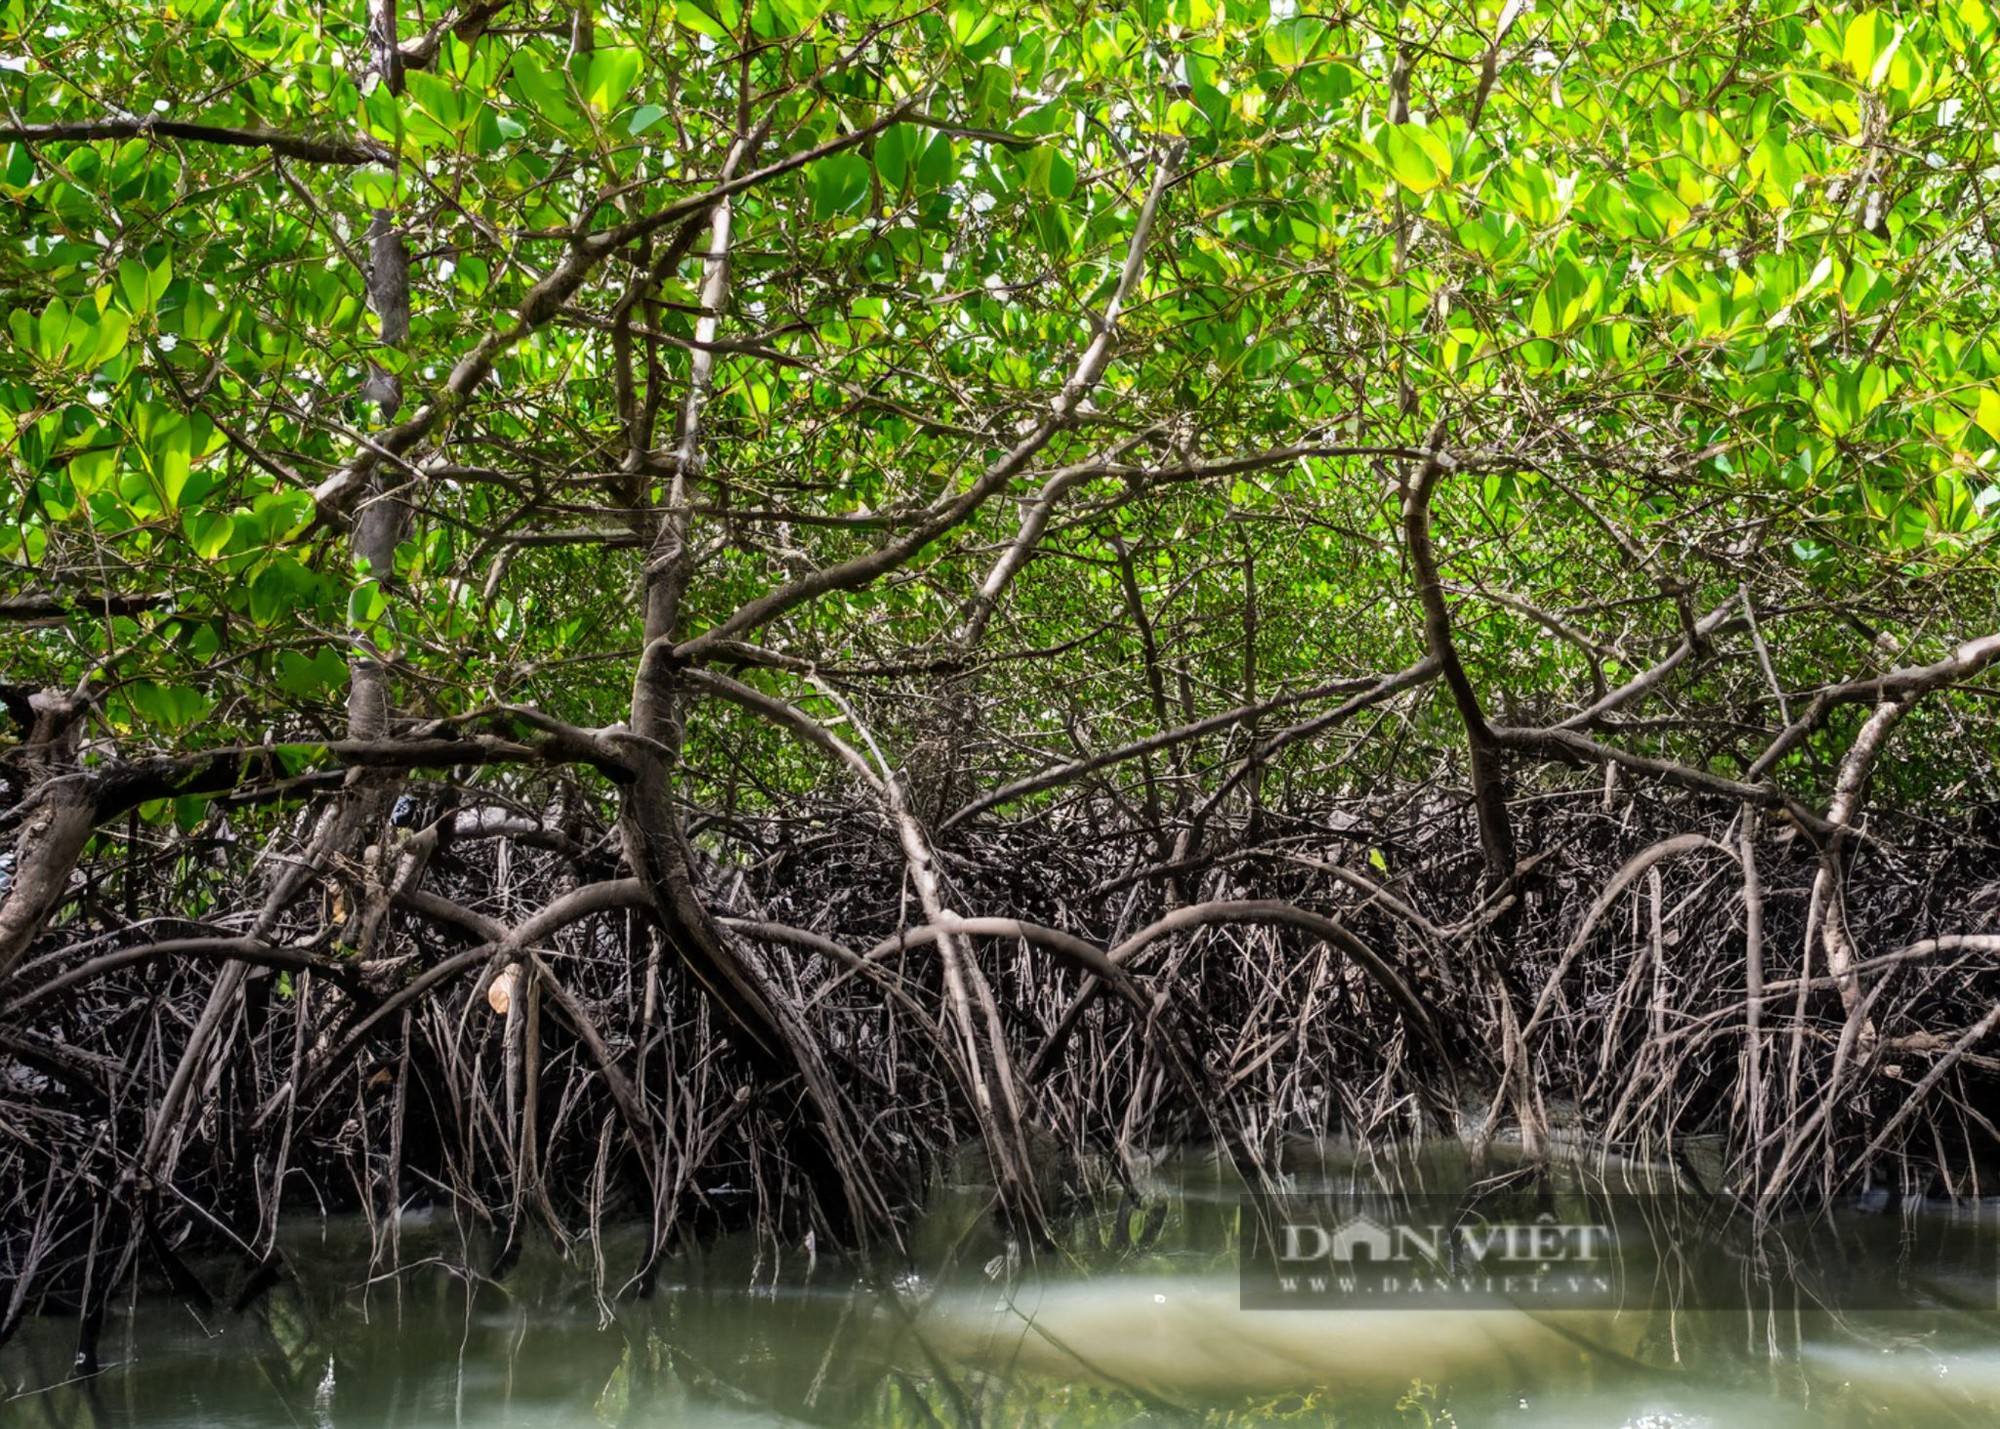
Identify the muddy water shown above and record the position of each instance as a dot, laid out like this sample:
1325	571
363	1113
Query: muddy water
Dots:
1135	1320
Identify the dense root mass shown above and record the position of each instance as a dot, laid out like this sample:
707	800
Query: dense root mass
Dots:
672	613
1339	973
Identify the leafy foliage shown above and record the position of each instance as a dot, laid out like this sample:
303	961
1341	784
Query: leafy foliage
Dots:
1731	269
694	432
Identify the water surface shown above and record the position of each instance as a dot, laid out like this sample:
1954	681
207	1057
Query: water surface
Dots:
1135	1320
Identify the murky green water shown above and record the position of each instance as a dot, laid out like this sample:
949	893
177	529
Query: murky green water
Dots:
1136	1321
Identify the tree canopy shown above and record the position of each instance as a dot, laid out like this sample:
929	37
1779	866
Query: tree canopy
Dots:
955	446
1726	283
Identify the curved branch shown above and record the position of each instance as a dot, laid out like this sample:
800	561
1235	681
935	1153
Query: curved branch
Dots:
1909	682
59	818
40	607
1099	968
1373	892
1423	671
809	941
1568	746
244	950
1034	522
1053	778
544	302
1035	518
1087	957
1489	788
1647	679
631	1106
1548	620
1830	883
119	788
863	570
1969	1039
1623	879
1201	915
289	146
572	907
467	25
787	716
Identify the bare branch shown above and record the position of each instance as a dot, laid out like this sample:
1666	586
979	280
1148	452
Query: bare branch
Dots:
863	570
290	146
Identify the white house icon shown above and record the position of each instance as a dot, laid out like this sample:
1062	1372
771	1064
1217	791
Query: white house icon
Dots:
1361	1233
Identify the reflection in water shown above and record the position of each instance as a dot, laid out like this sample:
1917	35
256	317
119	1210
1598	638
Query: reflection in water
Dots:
1139	1323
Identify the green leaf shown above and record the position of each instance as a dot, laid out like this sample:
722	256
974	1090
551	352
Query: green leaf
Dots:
134	285
1987	413
278	590
839	185
189	811
701	17
1417	157
112	328
1061	175
173	706
1291	43
544	92
92	471
52	332
893	151
971	24
366	605
939	165
1871	39
171	459
79	340
1909	526
437	97
304	677
20	169
610	77
1208	96
208	532
284	513
644	118
374	187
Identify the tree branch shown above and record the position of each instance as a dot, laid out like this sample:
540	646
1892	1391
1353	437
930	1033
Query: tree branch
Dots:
1909	682
863	570
1063	774
290	146
1489	789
